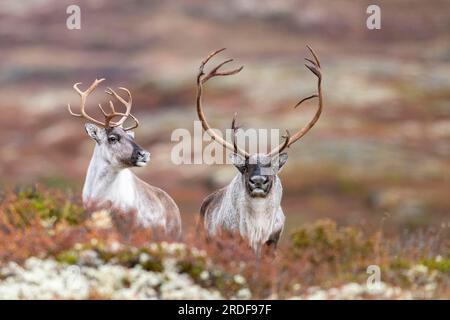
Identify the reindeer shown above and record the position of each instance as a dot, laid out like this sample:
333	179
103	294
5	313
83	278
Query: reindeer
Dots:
109	180
251	204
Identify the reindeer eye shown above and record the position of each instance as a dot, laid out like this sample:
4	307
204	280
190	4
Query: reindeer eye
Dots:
113	139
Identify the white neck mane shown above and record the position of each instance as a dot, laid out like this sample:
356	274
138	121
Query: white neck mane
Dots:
104	183
258	216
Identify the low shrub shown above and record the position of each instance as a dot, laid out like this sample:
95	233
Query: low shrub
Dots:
49	224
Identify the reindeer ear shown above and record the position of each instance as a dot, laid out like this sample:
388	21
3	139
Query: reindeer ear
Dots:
238	161
131	134
93	131
279	161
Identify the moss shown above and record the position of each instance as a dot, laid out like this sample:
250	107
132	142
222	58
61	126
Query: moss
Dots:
69	257
325	242
218	278
127	258
400	263
105	255
442	265
131	257
51	205
300	238
191	268
152	264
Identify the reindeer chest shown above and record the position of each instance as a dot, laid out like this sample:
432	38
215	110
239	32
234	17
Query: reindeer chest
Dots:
256	220
118	191
121	192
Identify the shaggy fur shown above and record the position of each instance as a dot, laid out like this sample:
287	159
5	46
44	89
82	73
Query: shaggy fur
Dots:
259	219
110	182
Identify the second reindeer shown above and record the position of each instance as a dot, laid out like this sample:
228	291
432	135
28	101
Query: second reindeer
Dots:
251	204
109	180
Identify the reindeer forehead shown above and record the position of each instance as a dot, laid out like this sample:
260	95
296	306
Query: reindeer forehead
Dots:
259	160
115	130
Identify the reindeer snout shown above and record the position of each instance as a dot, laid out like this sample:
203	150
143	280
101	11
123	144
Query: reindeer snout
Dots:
142	153
141	157
258	181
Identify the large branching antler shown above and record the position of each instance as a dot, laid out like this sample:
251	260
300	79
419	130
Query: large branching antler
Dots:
202	78
108	123
314	67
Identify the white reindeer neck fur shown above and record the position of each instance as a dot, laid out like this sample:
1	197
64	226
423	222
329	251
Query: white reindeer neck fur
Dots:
256	219
117	186
254	206
108	183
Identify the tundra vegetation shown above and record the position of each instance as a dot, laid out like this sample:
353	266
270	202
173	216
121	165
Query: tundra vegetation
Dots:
375	165
50	247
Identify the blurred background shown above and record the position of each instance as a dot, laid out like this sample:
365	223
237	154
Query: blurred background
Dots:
380	154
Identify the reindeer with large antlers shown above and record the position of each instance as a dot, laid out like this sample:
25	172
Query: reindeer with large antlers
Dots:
251	204
109	180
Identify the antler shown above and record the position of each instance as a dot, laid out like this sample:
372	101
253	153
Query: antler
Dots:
234	129
113	114
203	78
108	116
314	67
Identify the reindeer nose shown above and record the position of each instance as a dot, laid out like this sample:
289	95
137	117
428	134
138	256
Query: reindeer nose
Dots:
141	153
258	180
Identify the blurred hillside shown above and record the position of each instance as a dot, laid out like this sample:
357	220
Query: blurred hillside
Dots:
380	151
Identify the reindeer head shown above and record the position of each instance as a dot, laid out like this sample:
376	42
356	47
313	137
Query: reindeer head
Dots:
114	143
258	170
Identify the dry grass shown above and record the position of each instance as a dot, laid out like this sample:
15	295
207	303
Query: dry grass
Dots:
49	223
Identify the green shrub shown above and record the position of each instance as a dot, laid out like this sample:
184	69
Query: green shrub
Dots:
49	206
325	242
442	264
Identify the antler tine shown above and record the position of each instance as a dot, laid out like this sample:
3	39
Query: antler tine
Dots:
212	54
135	125
201	79
118	97
83	95
214	72
77	89
314	67
286	138
73	113
127	104
111	106
108	116
113	113
234	130
305	99
316	58
102	110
